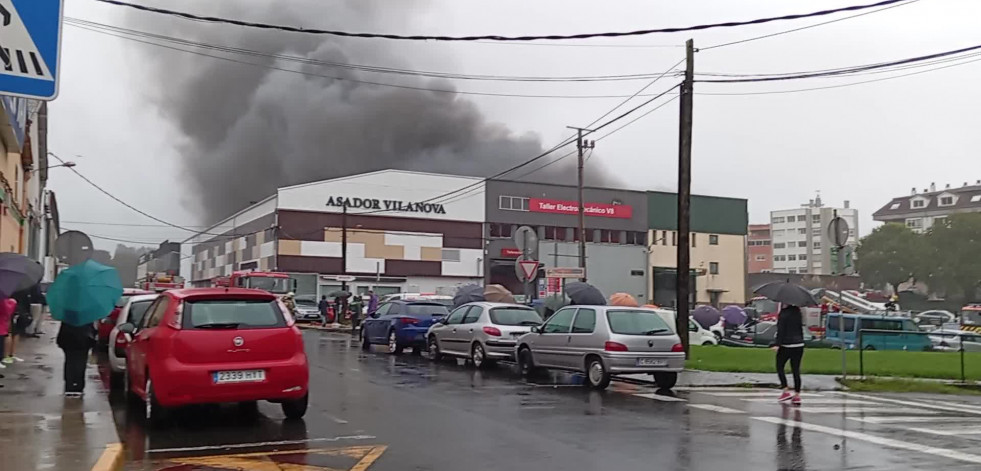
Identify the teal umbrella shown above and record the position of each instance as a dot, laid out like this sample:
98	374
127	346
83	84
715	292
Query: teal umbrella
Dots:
84	293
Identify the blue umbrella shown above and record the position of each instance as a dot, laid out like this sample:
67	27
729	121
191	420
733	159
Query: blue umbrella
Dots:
18	273
84	293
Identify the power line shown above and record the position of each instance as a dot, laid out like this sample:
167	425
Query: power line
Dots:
910	2
125	33
843	71
353	80
489	37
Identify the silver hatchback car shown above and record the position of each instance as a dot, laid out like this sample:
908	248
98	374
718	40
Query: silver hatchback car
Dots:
482	332
601	341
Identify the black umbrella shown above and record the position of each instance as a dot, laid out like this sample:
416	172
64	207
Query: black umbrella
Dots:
468	294
787	293
18	273
339	294
584	294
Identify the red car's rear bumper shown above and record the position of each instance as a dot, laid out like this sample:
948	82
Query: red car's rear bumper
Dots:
180	384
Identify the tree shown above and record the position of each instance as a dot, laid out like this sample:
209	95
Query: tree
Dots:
891	254
953	250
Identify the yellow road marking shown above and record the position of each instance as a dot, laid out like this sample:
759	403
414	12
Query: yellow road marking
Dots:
369	458
262	461
111	458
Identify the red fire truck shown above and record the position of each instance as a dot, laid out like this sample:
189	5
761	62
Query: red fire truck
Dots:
273	282
158	282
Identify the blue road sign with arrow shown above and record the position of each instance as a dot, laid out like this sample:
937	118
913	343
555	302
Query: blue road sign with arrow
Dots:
30	40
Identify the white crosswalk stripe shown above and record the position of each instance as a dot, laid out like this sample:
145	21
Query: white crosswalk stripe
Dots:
900	419
747	394
864	410
949	432
715	408
816	401
661	397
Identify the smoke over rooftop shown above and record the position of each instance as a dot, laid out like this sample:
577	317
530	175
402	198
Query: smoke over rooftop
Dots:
251	129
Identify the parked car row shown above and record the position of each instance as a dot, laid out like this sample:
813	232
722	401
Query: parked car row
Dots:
763	334
209	345
598	341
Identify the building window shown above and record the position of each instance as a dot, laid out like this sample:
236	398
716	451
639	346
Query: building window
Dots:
895	206
664	237
791	258
802	257
946	201
513	203
761	258
637	238
556	233
590	235
918	203
693	238
500	230
802	231
916	223
609	237
816	232
817	245
976	198
674	238
778	220
815	218
778	232
779	258
713	268
802	244
940	221
713	239
779	245
451	255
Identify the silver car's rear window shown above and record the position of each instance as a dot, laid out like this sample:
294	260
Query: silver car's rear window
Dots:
514	316
637	323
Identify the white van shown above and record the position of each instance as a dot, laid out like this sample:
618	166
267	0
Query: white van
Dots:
697	335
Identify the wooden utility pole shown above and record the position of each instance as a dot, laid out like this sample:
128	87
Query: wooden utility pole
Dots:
684	196
581	146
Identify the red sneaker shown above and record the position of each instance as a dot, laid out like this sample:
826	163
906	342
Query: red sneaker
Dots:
796	400
786	396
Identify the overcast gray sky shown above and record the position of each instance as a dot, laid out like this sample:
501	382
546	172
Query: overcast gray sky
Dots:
864	143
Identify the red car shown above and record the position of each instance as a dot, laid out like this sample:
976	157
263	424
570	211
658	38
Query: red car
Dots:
106	324
213	345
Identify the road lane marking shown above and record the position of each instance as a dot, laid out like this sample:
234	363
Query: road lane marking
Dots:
261	444
369	458
956	405
661	397
111	458
773	394
337	420
828	401
888	442
362	456
863	410
924	405
715	408
906	419
951	432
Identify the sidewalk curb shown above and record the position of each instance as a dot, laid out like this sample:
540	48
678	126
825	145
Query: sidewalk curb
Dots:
111	459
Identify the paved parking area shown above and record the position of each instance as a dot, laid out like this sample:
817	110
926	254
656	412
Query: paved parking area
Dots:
371	410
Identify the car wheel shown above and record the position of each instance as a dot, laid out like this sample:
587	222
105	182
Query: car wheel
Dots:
666	380
526	363
596	373
707	344
868	347
155	414
434	353
393	343
296	408
479	356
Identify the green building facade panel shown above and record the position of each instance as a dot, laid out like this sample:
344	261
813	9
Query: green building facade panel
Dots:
709	214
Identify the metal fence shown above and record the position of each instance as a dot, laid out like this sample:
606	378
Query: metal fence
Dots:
943	355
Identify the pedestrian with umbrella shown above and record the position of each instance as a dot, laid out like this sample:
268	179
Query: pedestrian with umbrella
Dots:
17	274
80	296
789	341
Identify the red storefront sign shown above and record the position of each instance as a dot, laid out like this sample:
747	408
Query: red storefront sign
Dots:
510	253
619	211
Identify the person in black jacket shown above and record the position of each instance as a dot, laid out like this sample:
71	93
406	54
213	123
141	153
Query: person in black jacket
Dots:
789	344
75	341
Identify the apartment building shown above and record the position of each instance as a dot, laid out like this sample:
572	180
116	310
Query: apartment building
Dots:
919	211
800	239
759	249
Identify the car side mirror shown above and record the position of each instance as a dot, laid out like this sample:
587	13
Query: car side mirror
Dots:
536	329
127	328
375	315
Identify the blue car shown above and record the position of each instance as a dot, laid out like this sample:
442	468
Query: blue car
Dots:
401	324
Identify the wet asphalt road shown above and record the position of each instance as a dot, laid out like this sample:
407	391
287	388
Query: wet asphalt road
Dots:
371	410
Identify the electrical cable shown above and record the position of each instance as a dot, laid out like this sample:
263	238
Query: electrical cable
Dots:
126	33
910	2
490	37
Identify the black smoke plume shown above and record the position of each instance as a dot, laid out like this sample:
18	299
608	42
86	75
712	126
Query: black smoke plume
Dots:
249	130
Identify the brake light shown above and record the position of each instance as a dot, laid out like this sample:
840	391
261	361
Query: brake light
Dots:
408	320
494	331
614	347
677	348
178	318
